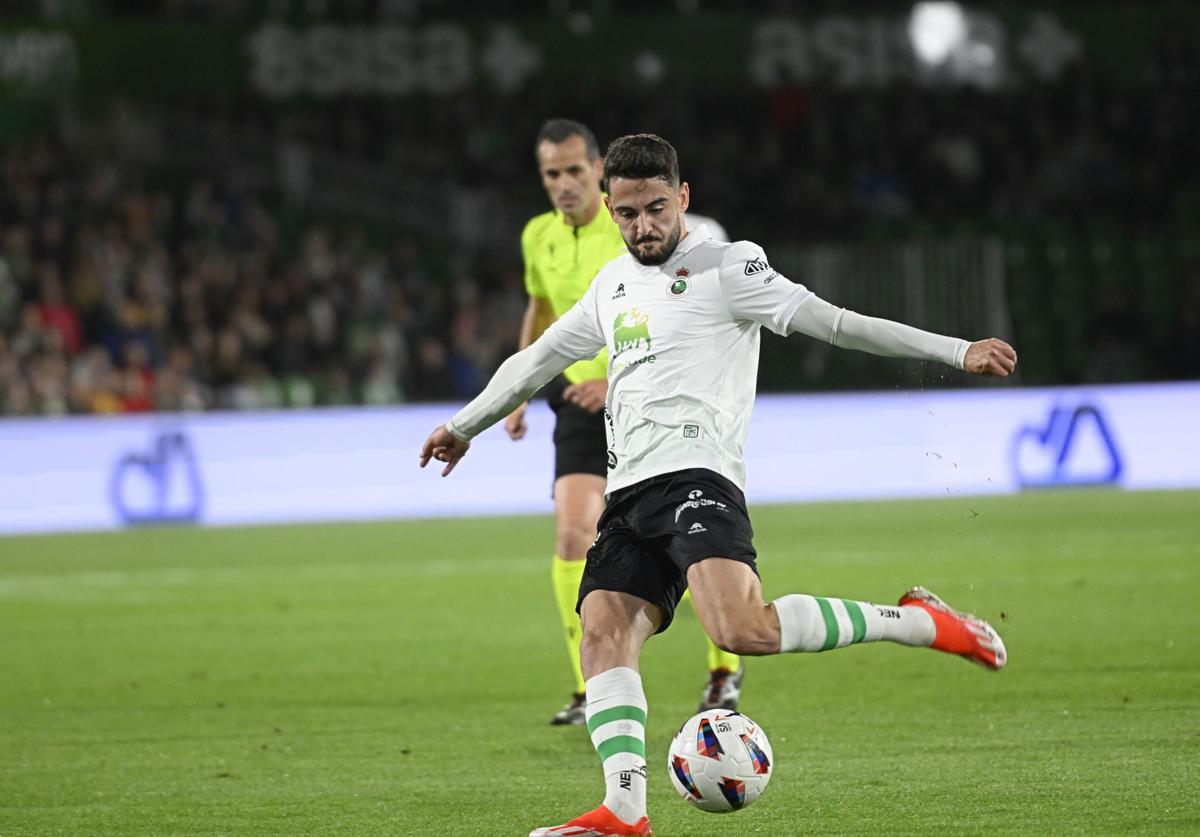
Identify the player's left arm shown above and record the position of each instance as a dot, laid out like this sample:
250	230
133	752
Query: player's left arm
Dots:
756	291
850	330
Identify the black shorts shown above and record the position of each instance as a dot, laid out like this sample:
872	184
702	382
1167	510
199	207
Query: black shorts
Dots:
580	443
652	531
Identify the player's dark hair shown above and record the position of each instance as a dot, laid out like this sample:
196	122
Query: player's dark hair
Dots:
641	157
561	130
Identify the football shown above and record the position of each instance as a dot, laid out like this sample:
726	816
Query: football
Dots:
720	761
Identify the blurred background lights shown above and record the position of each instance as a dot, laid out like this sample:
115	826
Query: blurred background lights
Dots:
937	30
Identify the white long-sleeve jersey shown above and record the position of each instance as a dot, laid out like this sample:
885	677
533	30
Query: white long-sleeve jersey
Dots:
683	342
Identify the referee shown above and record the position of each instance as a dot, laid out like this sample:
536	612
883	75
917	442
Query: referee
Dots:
563	250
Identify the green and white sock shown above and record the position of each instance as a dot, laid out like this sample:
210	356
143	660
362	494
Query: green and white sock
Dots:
814	623
616	719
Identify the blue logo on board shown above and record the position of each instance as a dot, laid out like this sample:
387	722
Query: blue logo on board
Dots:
159	485
1074	447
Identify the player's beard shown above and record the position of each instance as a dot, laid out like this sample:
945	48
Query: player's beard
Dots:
660	257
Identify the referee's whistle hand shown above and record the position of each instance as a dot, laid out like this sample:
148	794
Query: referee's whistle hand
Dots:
515	425
588	395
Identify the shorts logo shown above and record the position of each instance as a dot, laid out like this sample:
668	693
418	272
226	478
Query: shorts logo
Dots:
695	500
696	529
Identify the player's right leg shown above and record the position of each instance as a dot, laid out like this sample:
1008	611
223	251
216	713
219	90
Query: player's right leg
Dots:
728	599
616	626
629	591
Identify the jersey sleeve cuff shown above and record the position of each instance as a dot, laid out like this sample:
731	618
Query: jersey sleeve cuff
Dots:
455	432
960	354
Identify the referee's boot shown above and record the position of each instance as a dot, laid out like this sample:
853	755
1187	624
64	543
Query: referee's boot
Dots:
723	689
573	714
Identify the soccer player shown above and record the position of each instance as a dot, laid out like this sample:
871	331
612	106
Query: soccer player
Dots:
683	340
563	250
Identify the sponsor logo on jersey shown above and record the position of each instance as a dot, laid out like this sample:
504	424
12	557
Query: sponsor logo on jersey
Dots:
696	529
631	330
754	266
691	431
695	500
620	291
612	460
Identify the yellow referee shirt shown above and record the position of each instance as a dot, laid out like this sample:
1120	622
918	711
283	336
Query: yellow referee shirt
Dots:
560	263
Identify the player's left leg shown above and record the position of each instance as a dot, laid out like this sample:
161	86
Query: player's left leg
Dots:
728	599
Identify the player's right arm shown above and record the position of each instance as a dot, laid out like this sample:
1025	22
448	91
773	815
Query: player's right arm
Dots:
517	378
574	336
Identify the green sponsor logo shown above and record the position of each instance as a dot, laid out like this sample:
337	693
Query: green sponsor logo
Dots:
631	330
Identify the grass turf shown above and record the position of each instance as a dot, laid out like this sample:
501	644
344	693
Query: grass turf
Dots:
397	678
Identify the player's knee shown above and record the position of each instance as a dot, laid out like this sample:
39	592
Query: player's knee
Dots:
745	637
572	542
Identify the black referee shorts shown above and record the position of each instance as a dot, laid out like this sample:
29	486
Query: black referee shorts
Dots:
653	531
580	443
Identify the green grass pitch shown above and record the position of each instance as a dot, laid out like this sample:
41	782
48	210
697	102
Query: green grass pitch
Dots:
397	678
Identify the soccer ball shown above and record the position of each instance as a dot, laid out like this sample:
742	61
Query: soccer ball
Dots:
720	761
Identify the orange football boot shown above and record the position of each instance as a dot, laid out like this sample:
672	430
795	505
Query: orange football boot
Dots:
959	633
598	823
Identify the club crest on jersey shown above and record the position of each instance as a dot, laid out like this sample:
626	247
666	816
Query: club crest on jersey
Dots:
680	286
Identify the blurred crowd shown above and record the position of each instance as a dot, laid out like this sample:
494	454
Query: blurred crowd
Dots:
119	296
129	287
